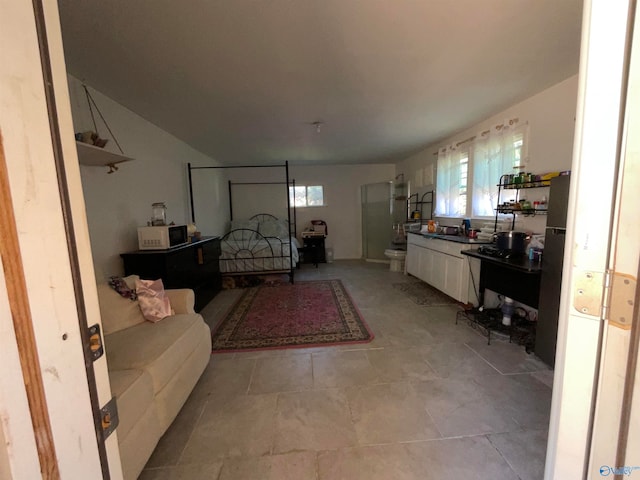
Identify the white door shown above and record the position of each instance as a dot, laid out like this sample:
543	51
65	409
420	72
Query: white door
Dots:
593	343
615	446
48	399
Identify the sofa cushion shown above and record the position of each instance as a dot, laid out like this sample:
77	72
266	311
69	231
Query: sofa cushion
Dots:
158	348
133	390
137	447
118	313
171	398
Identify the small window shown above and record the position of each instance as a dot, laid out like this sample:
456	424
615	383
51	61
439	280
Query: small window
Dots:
307	196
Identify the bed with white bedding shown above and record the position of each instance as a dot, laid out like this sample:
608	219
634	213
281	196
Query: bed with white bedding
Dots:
259	246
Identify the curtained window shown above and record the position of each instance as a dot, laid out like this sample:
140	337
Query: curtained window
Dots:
468	172
496	151
451	182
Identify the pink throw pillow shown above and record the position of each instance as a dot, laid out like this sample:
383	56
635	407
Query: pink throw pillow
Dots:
153	302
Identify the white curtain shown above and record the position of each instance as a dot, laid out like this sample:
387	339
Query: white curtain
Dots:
448	203
496	152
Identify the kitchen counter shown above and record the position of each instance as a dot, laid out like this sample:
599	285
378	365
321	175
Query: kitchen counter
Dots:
453	238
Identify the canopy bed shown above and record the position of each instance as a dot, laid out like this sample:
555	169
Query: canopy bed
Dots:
261	244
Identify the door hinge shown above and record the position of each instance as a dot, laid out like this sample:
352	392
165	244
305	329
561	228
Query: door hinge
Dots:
109	418
620	301
588	293
607	295
96	346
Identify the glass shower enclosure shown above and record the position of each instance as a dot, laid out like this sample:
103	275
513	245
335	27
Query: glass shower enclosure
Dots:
377	220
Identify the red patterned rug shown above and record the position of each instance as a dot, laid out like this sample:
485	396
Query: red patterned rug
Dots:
305	314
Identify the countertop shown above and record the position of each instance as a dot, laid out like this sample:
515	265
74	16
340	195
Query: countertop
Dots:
453	238
522	264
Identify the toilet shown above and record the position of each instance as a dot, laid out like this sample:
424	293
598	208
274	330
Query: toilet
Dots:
397	259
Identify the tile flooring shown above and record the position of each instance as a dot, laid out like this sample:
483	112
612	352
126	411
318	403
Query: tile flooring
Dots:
426	399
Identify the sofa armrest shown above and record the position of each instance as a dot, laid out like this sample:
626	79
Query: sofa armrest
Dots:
182	300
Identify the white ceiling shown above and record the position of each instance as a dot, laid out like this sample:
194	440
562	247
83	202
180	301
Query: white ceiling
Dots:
242	80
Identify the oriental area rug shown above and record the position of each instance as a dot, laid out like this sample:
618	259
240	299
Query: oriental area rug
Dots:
423	294
304	314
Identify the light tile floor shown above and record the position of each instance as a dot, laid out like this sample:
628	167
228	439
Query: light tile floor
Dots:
426	399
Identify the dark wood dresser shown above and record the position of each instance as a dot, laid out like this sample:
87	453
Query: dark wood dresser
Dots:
193	266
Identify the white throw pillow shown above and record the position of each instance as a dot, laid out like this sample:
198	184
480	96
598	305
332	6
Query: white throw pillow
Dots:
153	301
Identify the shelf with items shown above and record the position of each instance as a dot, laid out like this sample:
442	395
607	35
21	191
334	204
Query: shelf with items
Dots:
519	186
519	206
93	156
90	146
522	211
488	321
415	207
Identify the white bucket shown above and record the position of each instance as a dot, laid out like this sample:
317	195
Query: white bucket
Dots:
329	254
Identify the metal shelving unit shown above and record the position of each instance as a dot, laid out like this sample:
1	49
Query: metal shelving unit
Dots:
505	185
413	204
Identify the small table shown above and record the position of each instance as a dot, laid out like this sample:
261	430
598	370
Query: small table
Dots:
517	278
313	249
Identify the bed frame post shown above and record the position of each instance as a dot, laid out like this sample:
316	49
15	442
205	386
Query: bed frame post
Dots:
230	203
286	167
193	213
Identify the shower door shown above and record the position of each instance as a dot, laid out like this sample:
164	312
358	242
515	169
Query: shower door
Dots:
376	220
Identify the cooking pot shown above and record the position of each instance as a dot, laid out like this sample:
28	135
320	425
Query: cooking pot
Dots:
512	241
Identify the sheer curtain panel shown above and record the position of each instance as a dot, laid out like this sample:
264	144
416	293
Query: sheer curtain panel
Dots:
448	183
495	152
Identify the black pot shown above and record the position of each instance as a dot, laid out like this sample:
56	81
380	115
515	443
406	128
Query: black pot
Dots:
512	241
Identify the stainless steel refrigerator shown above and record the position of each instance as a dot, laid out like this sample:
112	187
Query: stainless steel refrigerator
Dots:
551	275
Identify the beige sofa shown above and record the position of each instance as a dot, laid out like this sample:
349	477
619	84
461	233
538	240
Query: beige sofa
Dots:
152	368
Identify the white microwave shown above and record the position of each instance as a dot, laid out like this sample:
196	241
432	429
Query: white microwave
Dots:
162	237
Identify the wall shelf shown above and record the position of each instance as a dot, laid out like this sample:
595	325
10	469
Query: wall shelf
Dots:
522	211
518	186
93	156
504	185
415	205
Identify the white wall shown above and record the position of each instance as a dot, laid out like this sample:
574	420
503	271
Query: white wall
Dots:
343	212
118	203
341	193
551	116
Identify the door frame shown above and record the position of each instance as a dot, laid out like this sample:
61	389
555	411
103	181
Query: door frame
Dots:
43	177
596	160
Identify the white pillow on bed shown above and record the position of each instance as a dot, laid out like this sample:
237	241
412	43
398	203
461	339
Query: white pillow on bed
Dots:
246	224
274	228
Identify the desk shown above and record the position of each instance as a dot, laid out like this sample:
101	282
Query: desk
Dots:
313	249
515	278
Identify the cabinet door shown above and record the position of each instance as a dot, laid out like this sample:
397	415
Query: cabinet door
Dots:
438	270
412	260
426	265
453	277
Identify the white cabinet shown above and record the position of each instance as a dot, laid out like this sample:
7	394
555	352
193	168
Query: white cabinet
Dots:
412	262
440	264
419	263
